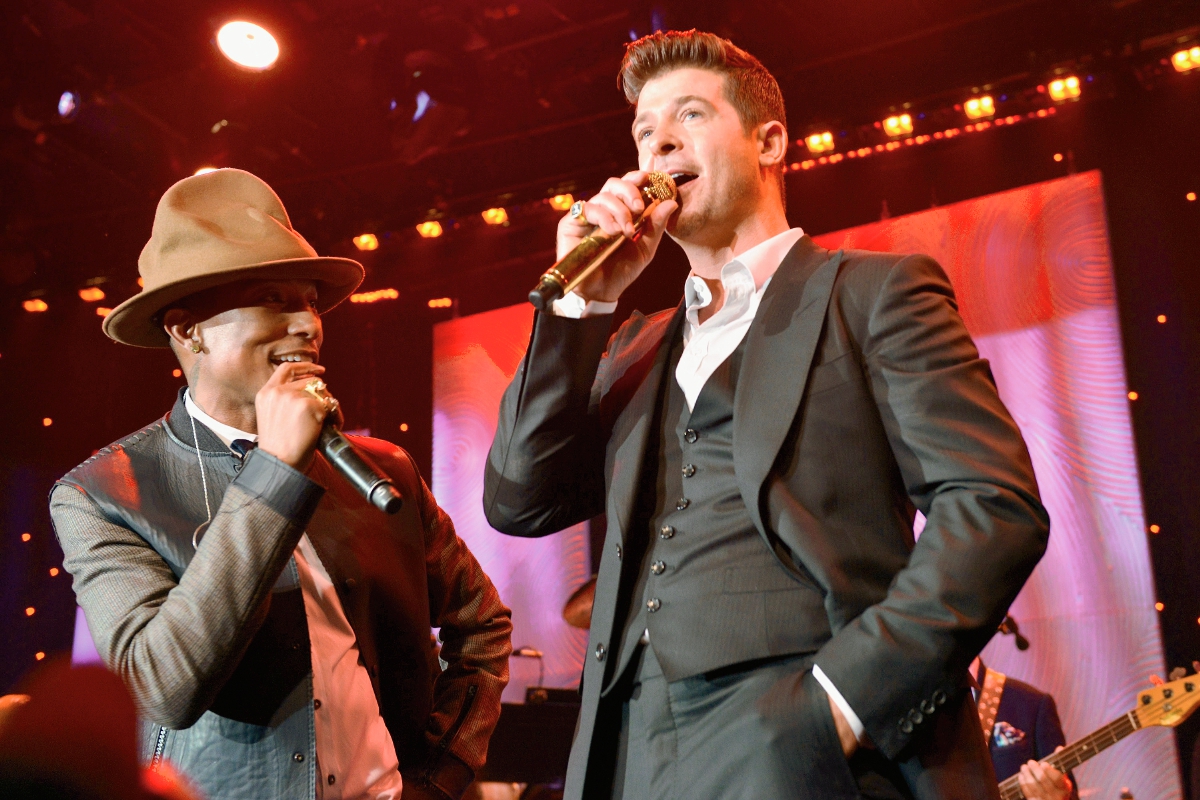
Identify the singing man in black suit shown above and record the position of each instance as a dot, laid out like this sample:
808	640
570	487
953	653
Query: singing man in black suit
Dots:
765	626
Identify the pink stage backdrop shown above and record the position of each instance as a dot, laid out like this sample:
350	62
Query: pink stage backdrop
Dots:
1032	272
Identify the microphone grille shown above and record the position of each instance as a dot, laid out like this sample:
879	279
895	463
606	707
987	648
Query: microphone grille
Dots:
661	187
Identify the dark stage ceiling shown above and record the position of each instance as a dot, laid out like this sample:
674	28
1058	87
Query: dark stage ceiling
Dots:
528	103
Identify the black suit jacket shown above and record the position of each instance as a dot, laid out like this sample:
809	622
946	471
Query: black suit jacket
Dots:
860	398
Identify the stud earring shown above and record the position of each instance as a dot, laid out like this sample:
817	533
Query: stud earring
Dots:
195	346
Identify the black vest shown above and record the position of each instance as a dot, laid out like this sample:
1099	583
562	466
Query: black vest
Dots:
699	576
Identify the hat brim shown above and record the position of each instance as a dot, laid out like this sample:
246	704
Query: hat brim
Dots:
133	321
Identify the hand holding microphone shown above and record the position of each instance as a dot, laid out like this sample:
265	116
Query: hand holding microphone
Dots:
606	246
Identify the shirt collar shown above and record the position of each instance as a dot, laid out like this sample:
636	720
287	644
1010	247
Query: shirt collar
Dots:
759	263
226	433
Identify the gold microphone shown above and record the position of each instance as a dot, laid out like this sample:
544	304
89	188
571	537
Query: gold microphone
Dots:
597	246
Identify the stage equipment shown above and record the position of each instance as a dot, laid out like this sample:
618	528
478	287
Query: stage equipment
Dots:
1061	89
248	45
35	306
430	229
980	107
1186	60
375	296
561	202
597	246
366	241
91	294
372	484
1167	705
441	302
819	142
898	125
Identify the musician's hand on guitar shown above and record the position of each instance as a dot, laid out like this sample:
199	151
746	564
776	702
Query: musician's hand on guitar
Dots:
1040	781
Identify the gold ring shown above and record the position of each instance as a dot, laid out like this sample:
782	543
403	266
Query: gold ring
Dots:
316	387
577	212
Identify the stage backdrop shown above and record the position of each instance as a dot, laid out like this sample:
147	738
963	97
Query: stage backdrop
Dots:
1034	281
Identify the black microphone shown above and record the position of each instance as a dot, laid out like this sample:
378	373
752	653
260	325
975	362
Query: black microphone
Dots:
596	247
369	481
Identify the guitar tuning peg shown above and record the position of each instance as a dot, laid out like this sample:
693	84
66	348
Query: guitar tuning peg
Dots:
1177	673
1156	681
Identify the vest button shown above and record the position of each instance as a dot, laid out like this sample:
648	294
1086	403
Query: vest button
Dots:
298	757
658	567
316	704
653	604
332	780
928	707
600	651
351	583
690	436
682	503
689	470
618	552
666	532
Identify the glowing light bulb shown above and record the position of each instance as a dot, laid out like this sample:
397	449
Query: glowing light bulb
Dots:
561	202
495	216
248	45
1063	88
898	125
91	294
980	107
35	306
819	142
366	241
430	229
1186	60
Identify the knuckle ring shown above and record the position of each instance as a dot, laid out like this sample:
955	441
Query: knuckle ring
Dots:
576	212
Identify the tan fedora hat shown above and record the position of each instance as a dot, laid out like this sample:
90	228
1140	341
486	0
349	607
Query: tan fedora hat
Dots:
216	228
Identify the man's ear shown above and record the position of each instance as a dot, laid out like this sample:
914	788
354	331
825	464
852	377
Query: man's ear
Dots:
178	324
772	138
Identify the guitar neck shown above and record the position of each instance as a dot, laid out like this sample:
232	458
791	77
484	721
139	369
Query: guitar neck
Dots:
1071	757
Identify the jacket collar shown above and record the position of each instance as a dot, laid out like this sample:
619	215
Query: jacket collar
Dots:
179	423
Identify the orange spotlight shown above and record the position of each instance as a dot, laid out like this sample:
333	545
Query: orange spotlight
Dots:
1155	529
1132	395
495	216
91	294
1058	156
375	296
1162	318
430	230
561	202
819	142
54	572
1186	60
1061	89
898	125
403	427
248	45
441	302
1191	197
30	611
980	107
39	655
1158	606
25	537
101	311
177	373
35	306
47	422
366	241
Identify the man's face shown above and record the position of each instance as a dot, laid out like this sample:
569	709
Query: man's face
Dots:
684	123
249	328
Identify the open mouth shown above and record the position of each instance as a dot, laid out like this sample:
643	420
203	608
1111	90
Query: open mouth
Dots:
681	178
294	358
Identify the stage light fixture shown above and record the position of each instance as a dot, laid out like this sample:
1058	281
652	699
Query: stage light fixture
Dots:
54	572
35	306
39	655
366	241
1061	89
441	302
819	142
898	125
91	294
1159	606
561	202
25	537
430	229
1186	60
1155	529
1191	197
375	296
404	427
980	107
68	104
1162	319
47	422
495	216
1132	395
248	45
101	311
176	373
30	611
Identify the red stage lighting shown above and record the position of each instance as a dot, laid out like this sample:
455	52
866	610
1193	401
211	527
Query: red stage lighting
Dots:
1061	89
375	296
92	294
35	306
366	241
819	142
430	230
898	125
561	202
1186	60
495	216
980	107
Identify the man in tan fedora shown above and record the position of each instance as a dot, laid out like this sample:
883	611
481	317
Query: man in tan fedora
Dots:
272	626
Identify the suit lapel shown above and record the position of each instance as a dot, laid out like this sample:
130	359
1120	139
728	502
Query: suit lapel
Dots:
636	375
780	346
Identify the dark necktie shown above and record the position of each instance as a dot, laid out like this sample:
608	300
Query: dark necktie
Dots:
241	447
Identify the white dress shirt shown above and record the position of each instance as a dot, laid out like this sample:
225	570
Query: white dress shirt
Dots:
707	344
356	758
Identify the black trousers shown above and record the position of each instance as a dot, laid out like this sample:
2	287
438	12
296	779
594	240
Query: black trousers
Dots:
759	731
